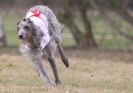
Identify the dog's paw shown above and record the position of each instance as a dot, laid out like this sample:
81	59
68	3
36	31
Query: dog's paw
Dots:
58	82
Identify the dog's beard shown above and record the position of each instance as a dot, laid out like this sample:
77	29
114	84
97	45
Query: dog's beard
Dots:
31	41
23	39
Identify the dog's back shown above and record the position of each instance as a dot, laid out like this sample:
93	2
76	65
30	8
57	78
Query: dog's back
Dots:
55	30
55	26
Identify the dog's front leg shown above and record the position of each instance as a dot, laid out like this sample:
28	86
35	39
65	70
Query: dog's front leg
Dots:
42	71
53	65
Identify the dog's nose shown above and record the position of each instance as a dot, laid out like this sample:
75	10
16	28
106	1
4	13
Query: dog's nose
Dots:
20	36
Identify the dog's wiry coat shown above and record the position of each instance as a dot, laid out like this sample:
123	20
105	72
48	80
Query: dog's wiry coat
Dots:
54	24
29	46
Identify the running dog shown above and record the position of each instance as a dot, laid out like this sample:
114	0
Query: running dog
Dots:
39	33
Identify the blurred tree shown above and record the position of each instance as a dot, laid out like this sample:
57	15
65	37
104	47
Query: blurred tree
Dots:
11	2
119	7
69	10
2	35
66	15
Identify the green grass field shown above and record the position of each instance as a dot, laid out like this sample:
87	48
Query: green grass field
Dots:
104	35
89	72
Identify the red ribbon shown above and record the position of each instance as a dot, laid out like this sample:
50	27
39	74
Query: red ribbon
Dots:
35	12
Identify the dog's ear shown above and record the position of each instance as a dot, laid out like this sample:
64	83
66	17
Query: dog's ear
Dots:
24	19
17	26
27	20
18	23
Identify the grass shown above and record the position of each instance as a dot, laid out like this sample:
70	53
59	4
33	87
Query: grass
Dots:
89	72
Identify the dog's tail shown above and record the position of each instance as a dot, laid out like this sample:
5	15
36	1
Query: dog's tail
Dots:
62	54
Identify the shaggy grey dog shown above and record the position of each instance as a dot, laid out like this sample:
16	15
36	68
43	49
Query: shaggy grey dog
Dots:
30	43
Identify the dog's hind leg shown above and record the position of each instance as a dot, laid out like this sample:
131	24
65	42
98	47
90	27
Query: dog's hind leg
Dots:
53	66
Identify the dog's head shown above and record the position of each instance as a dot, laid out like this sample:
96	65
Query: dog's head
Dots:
25	29
27	33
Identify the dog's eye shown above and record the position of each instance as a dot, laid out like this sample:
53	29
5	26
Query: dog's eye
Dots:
26	27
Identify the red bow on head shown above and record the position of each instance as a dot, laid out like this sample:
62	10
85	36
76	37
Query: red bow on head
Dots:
35	12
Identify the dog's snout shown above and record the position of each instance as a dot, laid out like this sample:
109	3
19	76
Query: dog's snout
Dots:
20	36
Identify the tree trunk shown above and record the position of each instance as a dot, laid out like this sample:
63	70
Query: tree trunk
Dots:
87	25
82	39
111	21
2	35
